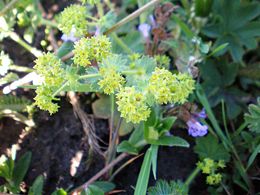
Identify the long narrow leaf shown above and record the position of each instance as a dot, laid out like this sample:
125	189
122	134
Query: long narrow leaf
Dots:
154	160
143	177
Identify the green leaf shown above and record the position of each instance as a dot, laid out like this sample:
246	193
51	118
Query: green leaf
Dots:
143	177
253	117
126	146
208	147
14	103
104	185
154	160
163	187
65	48
184	27
253	156
234	26
21	167
218	49
203	7
37	186
101	107
137	137
93	190
169	141
166	124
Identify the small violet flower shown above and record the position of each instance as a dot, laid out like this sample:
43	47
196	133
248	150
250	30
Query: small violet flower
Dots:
71	37
196	129
144	30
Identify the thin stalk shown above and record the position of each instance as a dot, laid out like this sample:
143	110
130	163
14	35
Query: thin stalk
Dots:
132	16
225	120
192	176
15	37
92	18
100	9
48	23
112	149
123	166
121	43
100	173
88	76
60	89
8	7
240	129
109	4
20	68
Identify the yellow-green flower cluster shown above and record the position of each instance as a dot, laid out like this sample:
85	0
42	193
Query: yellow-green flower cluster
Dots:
111	80
209	167
73	19
182	87
132	105
169	88
162	61
49	67
44	99
94	48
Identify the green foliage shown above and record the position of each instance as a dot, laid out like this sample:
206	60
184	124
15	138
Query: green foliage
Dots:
163	187
13	172
37	186
209	147
253	117
235	26
219	77
13	103
143	177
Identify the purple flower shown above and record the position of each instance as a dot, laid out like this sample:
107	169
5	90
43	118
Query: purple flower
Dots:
201	114
196	129
70	37
145	30
97	33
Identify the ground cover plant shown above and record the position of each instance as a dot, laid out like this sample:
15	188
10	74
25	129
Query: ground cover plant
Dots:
138	97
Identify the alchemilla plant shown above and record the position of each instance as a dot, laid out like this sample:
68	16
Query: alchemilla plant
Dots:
151	85
139	78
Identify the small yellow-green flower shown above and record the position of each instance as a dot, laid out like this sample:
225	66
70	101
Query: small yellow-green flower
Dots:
73	19
88	49
163	61
214	179
49	67
44	99
111	80
210	167
182	87
132	105
169	88
159	85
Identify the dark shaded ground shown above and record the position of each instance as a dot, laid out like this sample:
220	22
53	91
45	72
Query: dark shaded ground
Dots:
58	138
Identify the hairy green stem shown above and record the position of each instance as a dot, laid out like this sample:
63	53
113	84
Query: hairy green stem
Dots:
121	43
48	23
15	37
192	176
8	7
60	89
132	16
100	9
